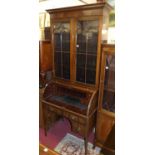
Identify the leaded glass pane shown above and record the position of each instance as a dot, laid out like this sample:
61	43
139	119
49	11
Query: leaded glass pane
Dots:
109	84
62	49
86	51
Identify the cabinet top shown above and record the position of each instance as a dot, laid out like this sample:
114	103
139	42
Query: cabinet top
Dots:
81	7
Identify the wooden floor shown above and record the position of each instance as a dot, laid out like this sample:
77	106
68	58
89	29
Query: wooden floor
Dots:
46	151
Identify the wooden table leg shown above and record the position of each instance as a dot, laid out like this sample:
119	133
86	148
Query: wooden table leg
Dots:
86	144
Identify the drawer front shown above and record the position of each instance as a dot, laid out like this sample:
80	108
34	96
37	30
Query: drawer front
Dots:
51	108
73	117
81	129
78	128
66	114
74	126
78	123
57	111
82	120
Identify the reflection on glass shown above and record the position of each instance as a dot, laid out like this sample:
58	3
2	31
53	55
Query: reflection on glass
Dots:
86	51
62	49
109	84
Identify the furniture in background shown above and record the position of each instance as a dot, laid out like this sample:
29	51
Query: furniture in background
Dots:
44	71
47	33
76	50
105	126
45	62
41	91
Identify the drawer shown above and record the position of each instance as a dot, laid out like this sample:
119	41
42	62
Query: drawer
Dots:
81	129
76	127
51	108
73	117
56	110
82	120
66	114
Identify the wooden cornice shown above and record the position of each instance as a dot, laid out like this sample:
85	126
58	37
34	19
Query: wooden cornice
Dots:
81	7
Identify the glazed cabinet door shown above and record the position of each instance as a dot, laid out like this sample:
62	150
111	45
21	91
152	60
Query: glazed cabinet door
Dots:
76	47
62	49
86	50
108	101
